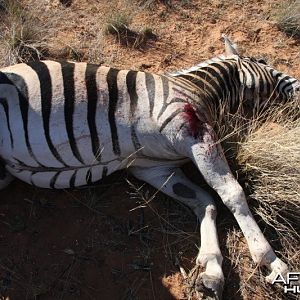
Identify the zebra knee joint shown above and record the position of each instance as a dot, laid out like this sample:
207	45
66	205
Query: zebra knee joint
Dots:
234	198
204	258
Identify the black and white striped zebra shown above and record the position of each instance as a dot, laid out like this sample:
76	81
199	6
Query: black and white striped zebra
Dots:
70	124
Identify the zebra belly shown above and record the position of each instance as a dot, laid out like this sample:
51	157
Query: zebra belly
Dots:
83	176
63	178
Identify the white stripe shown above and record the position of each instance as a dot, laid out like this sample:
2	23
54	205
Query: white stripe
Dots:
80	122
57	125
102	123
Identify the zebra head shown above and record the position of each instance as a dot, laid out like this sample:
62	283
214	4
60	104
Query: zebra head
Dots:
260	83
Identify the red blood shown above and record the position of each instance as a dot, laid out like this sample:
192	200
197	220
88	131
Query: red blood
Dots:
192	119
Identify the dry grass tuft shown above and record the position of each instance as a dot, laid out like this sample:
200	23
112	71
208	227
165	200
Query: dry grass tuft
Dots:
24	32
288	19
118	23
20	34
151	3
269	158
118	26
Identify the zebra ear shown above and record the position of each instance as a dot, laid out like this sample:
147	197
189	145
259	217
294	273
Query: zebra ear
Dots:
230	47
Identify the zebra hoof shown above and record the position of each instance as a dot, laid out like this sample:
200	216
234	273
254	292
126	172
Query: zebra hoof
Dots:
210	286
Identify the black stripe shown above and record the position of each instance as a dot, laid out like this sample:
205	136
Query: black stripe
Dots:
233	74
92	94
88	177
150	86
261	78
53	180
46	102
4	79
177	100
230	86
224	73
113	100
165	89
208	76
232	70
173	100
104	172
134	138
170	118
73	179
266	79
268	74
204	88
277	75
258	77
21	163
22	89
69	94
215	75
284	82
131	87
285	85
182	92
187	85
3	102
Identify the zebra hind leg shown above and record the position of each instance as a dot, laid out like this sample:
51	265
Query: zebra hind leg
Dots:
173	182
5	177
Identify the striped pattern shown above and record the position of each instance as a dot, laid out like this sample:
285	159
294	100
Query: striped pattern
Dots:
65	124
75	123
239	79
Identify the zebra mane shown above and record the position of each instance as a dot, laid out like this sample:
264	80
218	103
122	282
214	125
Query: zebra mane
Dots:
203	64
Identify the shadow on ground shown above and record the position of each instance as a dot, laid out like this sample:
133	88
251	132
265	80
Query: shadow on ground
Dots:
99	243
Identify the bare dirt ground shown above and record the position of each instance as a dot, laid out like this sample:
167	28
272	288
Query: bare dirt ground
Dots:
105	242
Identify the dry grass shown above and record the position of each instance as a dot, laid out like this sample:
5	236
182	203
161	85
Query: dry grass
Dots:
118	26
262	155
20	36
269	159
24	32
288	18
270	155
152	3
118	23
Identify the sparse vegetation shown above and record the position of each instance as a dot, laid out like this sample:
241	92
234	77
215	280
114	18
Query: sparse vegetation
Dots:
151	3
23	33
288	18
118	240
270	160
118	25
264	151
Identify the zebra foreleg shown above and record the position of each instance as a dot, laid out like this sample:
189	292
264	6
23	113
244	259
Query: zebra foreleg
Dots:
173	182
207	154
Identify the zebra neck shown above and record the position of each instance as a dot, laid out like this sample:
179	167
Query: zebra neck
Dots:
217	83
